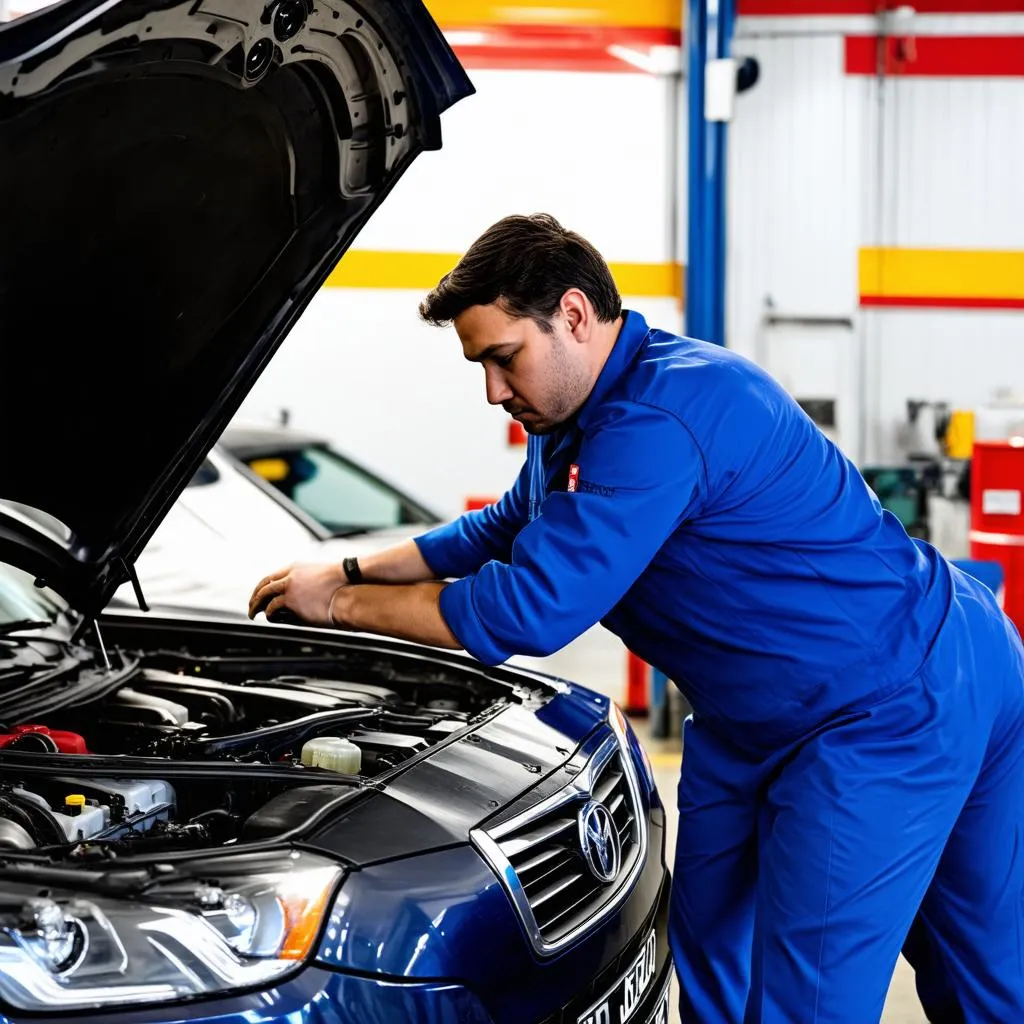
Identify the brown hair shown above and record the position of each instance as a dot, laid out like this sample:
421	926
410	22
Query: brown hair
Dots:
528	264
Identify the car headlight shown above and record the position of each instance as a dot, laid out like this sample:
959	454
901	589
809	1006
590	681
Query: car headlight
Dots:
203	928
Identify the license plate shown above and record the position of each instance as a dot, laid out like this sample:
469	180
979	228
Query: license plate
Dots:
620	1002
660	1015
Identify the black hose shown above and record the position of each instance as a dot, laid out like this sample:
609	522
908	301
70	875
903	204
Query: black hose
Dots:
38	823
274	738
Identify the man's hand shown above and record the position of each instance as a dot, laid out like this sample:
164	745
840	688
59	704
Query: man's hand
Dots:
304	589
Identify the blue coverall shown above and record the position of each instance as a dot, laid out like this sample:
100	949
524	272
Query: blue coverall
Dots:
854	768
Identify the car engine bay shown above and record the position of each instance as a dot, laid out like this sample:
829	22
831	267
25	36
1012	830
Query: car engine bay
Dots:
188	752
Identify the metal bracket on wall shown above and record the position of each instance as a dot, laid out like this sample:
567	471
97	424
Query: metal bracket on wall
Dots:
796	320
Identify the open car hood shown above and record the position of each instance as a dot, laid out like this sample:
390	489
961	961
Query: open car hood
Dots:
179	178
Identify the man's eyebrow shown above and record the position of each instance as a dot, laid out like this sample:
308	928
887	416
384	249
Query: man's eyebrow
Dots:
490	351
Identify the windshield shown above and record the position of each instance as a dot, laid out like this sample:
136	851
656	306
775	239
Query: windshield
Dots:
341	496
21	599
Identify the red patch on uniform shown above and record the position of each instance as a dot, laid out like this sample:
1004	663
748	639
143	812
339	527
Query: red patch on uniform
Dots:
574	477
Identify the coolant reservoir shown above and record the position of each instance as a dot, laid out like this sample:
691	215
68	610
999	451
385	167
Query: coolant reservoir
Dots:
333	753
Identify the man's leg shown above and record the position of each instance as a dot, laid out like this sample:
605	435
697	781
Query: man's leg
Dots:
967	944
713	880
854	828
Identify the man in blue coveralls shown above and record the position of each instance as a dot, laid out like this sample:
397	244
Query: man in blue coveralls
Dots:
854	768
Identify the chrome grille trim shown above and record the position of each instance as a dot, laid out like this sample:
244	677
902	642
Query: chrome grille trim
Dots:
551	874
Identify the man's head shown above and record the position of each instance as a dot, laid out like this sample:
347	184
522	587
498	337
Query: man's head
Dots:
536	305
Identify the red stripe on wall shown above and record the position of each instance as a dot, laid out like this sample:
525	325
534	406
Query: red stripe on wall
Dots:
941	302
754	8
516	58
555	47
568	36
938	56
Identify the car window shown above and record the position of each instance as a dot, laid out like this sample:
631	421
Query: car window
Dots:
337	494
21	599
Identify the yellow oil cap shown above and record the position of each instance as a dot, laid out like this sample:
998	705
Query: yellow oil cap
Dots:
74	802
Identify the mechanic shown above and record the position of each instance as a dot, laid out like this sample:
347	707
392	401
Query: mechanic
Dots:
854	768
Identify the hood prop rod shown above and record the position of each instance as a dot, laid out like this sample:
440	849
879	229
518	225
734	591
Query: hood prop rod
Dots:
129	569
103	646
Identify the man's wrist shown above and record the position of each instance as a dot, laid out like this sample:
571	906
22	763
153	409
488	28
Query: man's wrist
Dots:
339	609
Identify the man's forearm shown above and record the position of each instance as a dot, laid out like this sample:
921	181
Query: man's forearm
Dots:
401	564
410	612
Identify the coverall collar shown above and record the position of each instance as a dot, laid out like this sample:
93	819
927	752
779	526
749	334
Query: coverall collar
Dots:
631	336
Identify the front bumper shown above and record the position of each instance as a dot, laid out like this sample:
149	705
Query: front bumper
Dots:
597	1004
322	996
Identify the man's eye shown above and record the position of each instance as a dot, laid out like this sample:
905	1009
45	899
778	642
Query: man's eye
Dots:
505	361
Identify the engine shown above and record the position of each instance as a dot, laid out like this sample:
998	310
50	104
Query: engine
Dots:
175	759
60	810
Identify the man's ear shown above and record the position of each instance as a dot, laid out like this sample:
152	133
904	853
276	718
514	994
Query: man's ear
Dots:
579	315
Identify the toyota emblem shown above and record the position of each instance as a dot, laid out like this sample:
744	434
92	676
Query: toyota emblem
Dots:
599	841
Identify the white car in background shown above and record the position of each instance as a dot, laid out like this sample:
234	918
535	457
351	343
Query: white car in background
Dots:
230	526
344	497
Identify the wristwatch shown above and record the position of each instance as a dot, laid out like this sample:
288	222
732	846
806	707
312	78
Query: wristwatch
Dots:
351	570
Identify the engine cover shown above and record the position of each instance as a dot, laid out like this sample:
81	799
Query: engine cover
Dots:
39	737
98	808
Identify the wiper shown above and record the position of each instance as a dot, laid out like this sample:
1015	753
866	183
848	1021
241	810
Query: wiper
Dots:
19	624
349	531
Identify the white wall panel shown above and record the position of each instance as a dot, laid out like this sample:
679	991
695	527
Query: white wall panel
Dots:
954	161
795	183
590	148
794	186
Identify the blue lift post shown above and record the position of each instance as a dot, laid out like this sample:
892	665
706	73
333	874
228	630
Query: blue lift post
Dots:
708	31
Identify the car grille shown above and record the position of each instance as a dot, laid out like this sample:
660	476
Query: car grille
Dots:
539	855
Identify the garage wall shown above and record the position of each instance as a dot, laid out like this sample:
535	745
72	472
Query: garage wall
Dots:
895	256
594	148
793	209
943	292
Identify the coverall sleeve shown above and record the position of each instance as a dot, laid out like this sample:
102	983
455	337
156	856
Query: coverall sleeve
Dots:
464	545
641	474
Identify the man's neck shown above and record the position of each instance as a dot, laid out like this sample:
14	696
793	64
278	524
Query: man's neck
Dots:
604	341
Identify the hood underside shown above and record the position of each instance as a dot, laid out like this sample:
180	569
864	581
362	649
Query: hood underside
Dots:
180	179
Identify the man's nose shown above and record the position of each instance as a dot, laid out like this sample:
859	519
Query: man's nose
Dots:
498	390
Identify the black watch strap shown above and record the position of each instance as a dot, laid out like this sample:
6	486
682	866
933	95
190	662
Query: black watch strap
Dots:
352	571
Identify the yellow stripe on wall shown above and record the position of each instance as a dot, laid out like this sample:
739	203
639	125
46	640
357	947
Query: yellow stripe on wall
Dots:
634	13
649	280
941	277
420	271
364	268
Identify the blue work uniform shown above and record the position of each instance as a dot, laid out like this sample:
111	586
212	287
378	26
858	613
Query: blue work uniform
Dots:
853	773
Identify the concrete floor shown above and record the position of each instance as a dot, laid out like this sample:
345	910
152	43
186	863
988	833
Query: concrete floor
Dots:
901	1007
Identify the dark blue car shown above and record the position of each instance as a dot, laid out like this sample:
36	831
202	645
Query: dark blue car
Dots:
205	820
